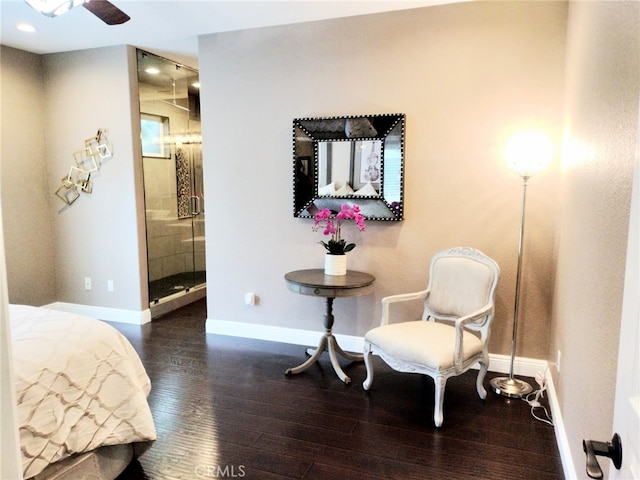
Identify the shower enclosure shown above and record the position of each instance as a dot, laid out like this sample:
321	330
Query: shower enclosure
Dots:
172	166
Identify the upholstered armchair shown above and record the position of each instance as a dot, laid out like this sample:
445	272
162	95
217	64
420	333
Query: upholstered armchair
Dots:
453	334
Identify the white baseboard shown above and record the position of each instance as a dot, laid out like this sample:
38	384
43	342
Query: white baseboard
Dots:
524	366
498	363
561	435
104	313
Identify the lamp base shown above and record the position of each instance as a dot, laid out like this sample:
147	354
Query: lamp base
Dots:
510	387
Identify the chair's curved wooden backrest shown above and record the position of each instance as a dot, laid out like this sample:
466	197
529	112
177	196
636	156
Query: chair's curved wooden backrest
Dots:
461	281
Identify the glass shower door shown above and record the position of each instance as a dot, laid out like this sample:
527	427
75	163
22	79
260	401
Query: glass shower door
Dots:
190	201
172	167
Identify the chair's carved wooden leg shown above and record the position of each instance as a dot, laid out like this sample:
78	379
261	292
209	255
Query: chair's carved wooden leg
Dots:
369	366
484	366
438	417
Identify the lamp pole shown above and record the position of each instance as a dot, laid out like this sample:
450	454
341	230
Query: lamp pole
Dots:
511	386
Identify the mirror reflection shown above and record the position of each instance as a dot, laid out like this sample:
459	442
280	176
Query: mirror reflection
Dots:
353	160
337	160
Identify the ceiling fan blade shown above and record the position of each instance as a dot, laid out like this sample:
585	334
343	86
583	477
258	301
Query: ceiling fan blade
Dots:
107	12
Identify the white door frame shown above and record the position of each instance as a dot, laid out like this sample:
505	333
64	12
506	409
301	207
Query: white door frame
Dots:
626	414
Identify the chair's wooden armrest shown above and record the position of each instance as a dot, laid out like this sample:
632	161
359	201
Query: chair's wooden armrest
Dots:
482	312
403	297
460	323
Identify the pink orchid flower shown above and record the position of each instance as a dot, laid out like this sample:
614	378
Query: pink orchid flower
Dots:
337	245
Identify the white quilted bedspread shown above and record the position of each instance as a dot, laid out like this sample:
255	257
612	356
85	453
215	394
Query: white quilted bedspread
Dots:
79	385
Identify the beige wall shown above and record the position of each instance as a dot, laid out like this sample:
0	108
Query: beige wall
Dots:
50	105
99	235
466	76
25	193
602	94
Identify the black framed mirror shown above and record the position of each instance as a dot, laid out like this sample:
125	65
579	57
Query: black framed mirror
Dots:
353	160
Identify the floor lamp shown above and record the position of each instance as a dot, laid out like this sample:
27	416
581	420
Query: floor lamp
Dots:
526	154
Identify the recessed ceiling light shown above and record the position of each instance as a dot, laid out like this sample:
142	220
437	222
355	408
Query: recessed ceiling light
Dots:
25	27
152	70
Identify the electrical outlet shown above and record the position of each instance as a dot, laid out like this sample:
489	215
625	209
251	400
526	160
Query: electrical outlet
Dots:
87	283
109	285
558	357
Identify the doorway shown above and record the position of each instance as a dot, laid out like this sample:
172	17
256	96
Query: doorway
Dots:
173	186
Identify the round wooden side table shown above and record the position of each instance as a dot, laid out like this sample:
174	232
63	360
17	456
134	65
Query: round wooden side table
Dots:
315	283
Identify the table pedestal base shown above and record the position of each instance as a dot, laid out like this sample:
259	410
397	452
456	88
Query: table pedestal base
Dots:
329	344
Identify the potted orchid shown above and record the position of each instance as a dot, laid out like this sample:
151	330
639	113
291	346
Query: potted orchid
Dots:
337	246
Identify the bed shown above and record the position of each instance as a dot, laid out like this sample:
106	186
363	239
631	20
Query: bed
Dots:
82	395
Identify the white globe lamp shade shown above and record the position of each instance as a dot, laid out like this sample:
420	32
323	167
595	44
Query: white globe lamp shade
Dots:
528	153
53	8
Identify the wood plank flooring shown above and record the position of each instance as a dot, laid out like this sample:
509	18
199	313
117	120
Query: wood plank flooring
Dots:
223	408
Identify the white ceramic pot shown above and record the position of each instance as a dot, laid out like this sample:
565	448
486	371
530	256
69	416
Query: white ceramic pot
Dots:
335	264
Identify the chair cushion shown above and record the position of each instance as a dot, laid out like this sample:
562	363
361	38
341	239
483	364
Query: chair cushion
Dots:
421	342
459	286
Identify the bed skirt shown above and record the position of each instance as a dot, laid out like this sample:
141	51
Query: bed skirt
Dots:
104	463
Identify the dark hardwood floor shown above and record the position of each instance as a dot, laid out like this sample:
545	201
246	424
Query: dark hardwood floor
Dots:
223	408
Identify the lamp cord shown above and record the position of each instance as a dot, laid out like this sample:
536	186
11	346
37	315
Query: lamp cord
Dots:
535	401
